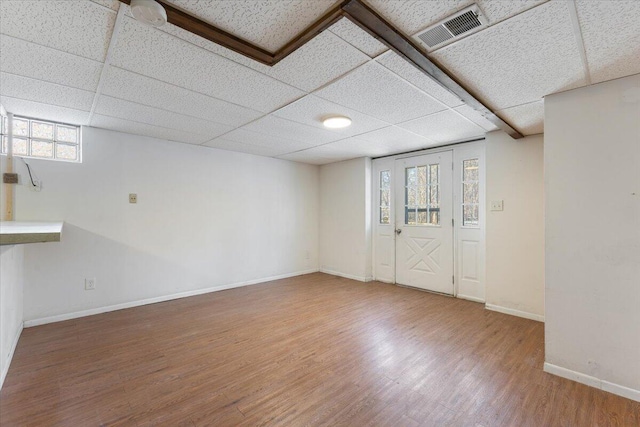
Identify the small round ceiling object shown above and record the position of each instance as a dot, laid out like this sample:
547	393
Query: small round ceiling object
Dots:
149	12
336	122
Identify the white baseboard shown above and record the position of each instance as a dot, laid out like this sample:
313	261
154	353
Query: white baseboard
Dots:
99	310
346	276
607	386
514	312
470	298
5	371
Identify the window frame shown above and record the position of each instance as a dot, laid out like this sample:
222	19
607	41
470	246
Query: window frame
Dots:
4	133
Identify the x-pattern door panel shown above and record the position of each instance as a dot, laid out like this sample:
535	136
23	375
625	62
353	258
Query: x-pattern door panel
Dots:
424	243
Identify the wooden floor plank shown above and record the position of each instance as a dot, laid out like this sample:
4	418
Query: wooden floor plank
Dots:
303	351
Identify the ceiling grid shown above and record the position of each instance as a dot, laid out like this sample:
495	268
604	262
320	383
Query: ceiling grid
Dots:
82	61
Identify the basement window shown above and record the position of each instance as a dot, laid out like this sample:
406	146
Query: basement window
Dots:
42	139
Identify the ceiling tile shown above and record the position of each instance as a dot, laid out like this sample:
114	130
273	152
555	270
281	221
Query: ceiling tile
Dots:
213	47
156	54
113	107
267	23
527	118
357	37
395	138
499	10
111	4
411	16
611	35
244	136
318	156
287	129
444	127
127	126
44	92
42	111
356	147
321	60
79	27
393	62
154	93
311	110
31	60
476	118
519	60
375	91
318	62
225	144
381	142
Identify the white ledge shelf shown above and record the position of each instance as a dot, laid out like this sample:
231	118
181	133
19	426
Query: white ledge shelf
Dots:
17	233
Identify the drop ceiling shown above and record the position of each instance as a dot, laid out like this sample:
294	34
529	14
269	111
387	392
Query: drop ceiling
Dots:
90	63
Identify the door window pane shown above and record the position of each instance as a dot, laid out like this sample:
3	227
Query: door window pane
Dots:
470	170
470	215
470	192
422	195
385	197
385	218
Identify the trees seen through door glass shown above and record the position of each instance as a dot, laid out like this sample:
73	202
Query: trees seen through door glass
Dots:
470	192
385	197
422	195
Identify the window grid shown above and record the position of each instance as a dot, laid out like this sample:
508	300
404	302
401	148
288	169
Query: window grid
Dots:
42	139
470	208
422	195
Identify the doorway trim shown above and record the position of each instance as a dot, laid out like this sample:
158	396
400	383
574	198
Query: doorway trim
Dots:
469	279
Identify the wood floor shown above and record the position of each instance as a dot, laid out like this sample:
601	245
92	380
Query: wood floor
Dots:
311	350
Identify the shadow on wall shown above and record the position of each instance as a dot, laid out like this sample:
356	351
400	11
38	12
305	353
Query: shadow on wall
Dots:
55	274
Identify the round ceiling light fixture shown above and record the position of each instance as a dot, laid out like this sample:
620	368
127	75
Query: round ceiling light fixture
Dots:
336	122
149	12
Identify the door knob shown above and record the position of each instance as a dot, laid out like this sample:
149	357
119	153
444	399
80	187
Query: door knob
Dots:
398	230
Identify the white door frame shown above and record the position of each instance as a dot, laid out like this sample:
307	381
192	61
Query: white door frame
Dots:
425	252
473	290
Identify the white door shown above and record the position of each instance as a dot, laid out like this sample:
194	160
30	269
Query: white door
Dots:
424	205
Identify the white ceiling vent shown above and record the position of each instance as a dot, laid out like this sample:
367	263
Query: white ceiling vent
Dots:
453	28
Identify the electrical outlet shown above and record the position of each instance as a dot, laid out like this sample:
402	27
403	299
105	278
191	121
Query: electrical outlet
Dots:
133	198
89	284
497	205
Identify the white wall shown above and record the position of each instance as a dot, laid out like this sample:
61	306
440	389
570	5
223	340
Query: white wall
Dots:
515	236
592	184
205	219
11	288
345	219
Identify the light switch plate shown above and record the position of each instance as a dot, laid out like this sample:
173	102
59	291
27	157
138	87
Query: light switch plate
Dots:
497	205
133	198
